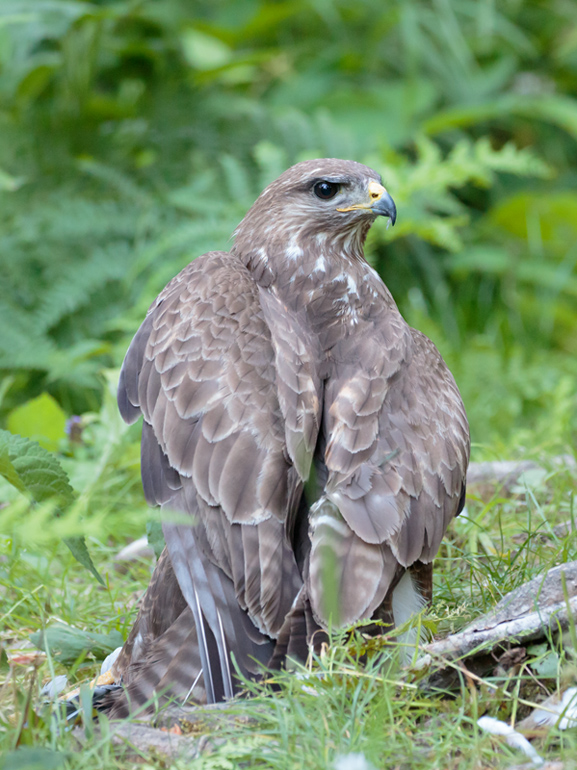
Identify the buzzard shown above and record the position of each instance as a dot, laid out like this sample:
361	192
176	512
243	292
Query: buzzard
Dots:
308	448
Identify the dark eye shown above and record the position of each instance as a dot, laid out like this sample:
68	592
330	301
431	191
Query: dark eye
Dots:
325	190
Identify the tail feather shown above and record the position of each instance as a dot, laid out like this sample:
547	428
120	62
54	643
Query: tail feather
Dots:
168	668
164	655
299	633
211	596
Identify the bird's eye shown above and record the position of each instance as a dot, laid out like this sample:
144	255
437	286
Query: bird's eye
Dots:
325	190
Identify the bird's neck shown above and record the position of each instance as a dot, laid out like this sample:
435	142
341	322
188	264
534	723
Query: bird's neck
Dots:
283	255
328	279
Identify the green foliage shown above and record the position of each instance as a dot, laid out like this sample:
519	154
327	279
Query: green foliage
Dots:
80	552
370	704
66	644
30	758
155	536
135	136
425	188
41	419
35	472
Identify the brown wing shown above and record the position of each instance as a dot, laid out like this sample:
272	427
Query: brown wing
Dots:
297	359
425	422
201	370
397	454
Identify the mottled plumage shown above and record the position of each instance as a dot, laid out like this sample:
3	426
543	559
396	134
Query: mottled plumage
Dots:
303	432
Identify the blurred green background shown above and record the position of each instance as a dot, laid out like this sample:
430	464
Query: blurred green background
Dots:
134	136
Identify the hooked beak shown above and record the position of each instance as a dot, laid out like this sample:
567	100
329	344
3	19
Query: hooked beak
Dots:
384	206
380	203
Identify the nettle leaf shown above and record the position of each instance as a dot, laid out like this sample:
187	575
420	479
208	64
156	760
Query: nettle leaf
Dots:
32	469
67	643
35	472
7	469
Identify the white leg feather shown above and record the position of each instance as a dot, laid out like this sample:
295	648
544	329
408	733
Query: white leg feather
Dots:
407	602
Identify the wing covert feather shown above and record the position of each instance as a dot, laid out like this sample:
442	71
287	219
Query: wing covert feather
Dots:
297	358
407	487
201	369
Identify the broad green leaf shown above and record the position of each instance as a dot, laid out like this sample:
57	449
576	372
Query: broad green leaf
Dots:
67	643
203	51
33	758
77	546
41	419
155	536
33	471
7	469
547	666
538	649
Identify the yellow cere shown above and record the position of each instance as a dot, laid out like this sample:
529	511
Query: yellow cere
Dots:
376	191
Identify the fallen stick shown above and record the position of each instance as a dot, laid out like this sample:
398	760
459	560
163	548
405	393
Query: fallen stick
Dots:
555	617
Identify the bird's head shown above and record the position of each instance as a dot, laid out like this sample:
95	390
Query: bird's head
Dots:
324	200
329	193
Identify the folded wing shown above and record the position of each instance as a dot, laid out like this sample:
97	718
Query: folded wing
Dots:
201	370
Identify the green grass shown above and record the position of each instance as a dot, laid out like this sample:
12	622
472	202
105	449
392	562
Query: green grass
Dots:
133	137
336	706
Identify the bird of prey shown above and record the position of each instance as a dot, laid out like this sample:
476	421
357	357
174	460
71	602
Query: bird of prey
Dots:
307	448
